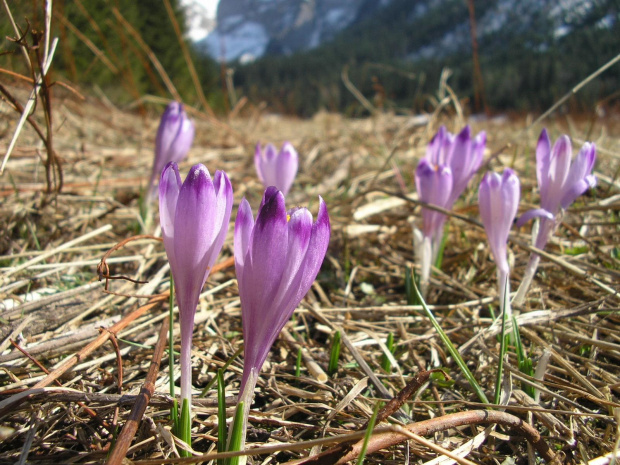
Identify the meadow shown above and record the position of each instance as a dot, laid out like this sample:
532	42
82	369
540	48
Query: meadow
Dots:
84	281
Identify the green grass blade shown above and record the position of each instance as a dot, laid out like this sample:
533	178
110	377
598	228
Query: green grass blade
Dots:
298	363
226	365
385	362
371	427
237	434
453	351
185	427
335	354
221	416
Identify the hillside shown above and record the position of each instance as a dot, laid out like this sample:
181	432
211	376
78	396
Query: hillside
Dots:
530	54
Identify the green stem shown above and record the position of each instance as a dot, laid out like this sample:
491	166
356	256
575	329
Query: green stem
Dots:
174	411
505	311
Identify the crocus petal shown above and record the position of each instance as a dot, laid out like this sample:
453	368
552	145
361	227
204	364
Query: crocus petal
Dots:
223	208
183	140
174	138
559	166
194	234
169	188
277	168
435	146
243	231
577	181
577	189
464	162
258	162
267	253
543	152
434	184
531	214
288	163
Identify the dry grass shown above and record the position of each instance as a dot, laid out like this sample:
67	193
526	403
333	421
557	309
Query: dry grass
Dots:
54	305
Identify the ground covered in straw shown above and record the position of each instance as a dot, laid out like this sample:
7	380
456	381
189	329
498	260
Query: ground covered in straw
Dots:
53	304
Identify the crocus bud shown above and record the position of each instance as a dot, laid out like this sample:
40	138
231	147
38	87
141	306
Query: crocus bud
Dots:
194	218
277	258
498	199
173	141
276	168
433	183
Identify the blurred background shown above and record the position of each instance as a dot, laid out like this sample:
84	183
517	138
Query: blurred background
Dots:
296	57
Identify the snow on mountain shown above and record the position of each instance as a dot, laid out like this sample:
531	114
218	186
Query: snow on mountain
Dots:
249	29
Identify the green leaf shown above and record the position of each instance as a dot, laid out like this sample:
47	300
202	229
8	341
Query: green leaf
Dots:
237	434
221	416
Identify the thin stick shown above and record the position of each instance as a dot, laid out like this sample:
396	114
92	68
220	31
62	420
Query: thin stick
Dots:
17	33
345	452
129	430
66	245
98	342
576	89
31	100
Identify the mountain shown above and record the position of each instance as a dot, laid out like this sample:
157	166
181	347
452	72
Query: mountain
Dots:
249	29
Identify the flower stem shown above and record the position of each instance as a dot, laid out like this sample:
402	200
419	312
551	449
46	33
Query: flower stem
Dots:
504	292
174	410
545	229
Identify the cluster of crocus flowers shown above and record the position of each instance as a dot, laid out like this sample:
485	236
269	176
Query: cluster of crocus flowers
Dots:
498	200
194	217
277	258
172	143
441	177
560	183
276	168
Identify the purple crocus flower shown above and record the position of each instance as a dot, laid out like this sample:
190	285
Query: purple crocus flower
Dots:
277	258
173	141
498	200
441	177
560	183
434	184
276	168
194	218
460	153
